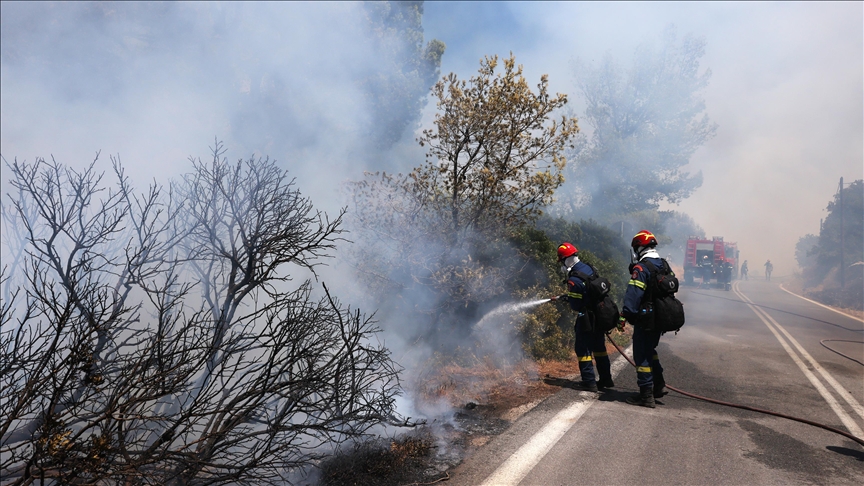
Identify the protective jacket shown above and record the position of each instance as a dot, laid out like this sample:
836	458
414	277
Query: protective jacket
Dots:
576	291
638	285
649	372
587	343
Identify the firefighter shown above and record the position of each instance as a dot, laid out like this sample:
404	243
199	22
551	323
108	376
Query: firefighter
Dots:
744	270
587	341
707	269
727	274
769	267
649	373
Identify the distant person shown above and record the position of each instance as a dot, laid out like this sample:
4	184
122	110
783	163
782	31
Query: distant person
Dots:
588	340
728	268
744	270
769	267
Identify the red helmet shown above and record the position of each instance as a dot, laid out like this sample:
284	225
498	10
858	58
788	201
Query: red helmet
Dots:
642	239
566	250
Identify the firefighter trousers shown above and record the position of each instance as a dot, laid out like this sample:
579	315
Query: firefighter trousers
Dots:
588	344
648	369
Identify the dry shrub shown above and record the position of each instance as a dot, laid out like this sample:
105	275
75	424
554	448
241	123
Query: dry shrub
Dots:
480	381
379	461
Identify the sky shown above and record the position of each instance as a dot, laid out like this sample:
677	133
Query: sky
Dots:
785	91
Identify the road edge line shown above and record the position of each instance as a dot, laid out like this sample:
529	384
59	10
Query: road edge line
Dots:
820	304
514	469
840	389
829	398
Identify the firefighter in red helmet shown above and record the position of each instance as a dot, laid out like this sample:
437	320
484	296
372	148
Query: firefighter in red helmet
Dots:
649	373
588	342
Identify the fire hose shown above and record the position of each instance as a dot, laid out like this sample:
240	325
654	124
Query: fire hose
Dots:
745	407
829	348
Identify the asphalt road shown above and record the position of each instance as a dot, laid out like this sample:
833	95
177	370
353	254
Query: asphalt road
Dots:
765	354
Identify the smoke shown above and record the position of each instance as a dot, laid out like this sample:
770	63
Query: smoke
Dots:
156	82
328	90
785	91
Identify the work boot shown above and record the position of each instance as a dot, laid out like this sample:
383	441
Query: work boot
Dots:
660	387
645	397
590	386
605	383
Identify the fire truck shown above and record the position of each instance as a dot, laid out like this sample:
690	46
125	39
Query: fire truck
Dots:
711	262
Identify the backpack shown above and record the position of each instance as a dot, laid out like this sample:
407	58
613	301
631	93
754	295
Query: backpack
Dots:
602	311
666	313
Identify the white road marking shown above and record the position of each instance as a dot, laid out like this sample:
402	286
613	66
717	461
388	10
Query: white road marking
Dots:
846	394
820	304
776	329
518	465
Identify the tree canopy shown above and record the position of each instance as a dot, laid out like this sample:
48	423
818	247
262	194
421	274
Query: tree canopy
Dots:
494	159
409	68
647	122
842	233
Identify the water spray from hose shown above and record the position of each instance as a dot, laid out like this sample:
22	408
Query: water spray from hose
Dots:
510	308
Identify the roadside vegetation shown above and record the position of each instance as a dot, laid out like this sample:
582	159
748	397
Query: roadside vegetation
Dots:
832	262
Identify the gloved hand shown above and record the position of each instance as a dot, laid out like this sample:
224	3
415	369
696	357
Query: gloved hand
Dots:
562	298
621	323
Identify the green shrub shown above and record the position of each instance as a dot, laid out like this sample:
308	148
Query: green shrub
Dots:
547	331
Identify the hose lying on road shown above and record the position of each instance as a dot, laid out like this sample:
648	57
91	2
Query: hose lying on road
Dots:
829	348
745	407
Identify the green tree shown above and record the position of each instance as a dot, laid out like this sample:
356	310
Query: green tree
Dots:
842	234
494	159
398	88
676	228
834	274
647	122
805	250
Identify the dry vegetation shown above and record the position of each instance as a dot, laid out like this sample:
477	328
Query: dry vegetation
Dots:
485	398
826	296
500	389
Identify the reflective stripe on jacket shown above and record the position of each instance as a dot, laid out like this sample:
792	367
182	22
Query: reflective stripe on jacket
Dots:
576	287
637	286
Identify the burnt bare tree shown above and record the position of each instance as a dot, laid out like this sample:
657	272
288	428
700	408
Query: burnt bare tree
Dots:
159	337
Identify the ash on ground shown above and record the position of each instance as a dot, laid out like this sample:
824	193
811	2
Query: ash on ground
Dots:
422	456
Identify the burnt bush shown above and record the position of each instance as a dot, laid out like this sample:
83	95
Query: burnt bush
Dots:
380	461
160	337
